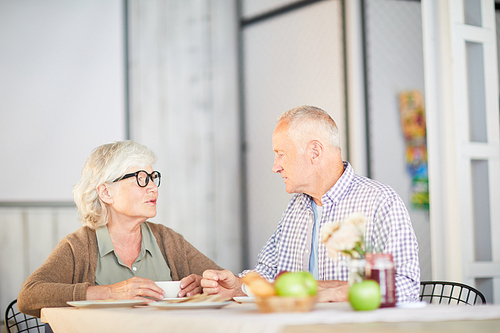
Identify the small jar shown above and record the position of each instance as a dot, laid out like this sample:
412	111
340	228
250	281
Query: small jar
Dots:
380	267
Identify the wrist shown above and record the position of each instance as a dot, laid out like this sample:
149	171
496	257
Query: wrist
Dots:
98	292
239	290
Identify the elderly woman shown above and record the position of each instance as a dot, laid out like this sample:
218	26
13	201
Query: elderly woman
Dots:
116	254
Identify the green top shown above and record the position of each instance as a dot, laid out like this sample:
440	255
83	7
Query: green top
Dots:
149	263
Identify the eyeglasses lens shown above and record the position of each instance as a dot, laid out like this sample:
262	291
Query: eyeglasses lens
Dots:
156	177
143	178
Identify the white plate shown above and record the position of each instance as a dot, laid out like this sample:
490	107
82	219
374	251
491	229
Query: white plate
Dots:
170	298
244	299
192	305
107	304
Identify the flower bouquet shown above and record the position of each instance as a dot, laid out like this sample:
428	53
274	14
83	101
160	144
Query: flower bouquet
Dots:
345	237
348	239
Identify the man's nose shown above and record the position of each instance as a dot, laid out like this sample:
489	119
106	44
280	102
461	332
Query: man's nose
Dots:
276	167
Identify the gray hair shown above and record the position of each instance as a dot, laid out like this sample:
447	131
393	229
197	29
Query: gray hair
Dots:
311	119
105	164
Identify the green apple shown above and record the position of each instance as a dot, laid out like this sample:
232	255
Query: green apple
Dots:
296	284
364	295
310	282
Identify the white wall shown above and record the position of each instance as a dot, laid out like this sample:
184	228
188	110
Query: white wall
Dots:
27	236
395	64
293	59
184	105
62	92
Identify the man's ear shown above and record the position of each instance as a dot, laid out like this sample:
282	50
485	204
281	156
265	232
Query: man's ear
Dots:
316	149
104	193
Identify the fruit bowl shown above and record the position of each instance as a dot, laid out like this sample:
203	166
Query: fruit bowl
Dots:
285	304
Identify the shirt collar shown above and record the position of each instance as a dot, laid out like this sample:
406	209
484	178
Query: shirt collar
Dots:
105	245
338	190
147	239
341	187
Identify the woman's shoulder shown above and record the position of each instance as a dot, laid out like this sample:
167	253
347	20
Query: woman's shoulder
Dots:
82	236
160	229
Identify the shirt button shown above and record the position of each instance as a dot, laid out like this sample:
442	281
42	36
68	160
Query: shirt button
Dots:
134	268
307	251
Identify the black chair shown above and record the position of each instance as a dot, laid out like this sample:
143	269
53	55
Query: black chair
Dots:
16	321
443	292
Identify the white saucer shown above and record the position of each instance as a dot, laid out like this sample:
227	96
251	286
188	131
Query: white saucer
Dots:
106	303
244	299
171	298
185	306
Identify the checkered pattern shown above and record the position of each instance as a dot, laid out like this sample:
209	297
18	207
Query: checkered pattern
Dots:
388	230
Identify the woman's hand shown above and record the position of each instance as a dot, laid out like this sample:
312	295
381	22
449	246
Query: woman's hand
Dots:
134	288
190	285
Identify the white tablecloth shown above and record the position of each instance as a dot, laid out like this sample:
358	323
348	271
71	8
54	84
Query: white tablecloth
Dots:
245	318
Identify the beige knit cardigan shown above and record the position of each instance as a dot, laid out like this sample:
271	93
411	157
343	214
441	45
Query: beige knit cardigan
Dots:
71	267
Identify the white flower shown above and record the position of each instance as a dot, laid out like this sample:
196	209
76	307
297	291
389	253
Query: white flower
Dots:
345	237
358	220
328	229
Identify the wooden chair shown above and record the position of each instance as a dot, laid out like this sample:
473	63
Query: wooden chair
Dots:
443	292
16	321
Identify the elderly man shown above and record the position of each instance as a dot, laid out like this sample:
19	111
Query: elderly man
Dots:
307	156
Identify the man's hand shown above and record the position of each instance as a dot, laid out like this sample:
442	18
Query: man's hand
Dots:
332	291
222	282
134	288
190	285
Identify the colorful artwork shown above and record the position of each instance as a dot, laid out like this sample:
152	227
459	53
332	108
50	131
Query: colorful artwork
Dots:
412	112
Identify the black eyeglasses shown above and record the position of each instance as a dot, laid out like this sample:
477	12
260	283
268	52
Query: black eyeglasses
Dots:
142	177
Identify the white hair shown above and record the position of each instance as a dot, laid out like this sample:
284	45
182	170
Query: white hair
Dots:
310	119
105	164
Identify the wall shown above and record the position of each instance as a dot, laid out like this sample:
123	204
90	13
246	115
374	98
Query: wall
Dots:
184	106
292	59
394	64
62	92
27	236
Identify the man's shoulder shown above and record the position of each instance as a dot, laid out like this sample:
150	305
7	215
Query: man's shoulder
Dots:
366	184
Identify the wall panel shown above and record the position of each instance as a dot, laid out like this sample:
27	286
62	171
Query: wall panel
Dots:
289	60
394	64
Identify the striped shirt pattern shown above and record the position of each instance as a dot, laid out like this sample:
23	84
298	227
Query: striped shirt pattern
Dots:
388	230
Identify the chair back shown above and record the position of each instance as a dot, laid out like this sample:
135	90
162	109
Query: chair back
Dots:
16	321
443	292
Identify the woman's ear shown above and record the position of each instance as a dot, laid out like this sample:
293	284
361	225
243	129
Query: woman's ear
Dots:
104	193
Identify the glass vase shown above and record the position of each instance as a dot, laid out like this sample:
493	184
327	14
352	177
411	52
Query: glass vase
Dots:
357	270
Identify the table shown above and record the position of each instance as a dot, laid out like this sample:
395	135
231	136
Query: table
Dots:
326	317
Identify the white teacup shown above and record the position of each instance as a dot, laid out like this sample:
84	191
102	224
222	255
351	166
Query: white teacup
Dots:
171	288
247	290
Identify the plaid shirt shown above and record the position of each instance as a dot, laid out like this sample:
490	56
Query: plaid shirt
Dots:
388	230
